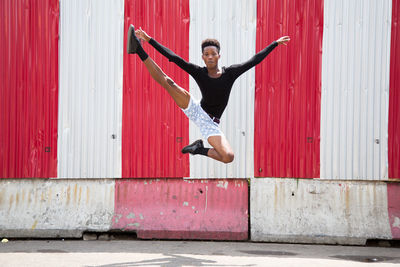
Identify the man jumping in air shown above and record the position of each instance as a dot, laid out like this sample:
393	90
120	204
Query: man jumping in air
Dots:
215	84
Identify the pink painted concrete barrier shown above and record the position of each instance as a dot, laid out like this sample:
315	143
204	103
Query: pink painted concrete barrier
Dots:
394	208
182	209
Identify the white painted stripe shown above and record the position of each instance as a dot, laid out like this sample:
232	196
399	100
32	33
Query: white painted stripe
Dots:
355	89
90	96
233	23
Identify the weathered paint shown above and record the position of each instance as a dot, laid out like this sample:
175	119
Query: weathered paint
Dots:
233	23
318	211
182	209
28	88
90	117
393	193
394	95
55	208
288	90
355	83
154	128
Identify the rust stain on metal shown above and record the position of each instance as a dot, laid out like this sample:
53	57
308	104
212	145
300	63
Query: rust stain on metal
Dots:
347	202
50	194
30	196
80	195
23	195
68	195
87	195
34	225
275	196
75	192
16	199
11	202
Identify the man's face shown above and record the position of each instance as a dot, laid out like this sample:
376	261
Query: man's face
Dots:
210	56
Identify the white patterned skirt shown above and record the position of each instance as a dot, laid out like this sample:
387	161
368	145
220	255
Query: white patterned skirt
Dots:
196	114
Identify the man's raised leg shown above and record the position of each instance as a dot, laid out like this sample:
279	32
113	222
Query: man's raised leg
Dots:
180	95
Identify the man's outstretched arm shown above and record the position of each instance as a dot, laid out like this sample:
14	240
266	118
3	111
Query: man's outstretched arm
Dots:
239	69
186	66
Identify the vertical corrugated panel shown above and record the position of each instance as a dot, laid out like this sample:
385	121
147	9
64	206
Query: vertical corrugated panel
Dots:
355	82
28	88
394	95
90	88
154	128
233	23
288	90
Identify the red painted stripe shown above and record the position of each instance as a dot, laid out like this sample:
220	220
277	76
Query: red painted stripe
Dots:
28	88
182	209
154	129
394	95
394	208
288	90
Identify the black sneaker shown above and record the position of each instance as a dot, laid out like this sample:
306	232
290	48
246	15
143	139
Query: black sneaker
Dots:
133	41
192	147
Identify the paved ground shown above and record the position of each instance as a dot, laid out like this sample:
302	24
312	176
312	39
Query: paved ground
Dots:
189	253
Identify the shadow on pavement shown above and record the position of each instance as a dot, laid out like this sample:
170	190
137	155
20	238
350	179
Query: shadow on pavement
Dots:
169	261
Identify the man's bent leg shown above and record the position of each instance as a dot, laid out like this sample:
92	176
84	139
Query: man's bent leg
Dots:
221	150
180	95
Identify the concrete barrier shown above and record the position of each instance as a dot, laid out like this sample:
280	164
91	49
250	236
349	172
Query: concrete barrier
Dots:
282	210
153	208
318	211
46	208
183	209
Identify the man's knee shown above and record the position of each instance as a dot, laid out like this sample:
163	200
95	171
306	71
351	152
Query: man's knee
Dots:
228	157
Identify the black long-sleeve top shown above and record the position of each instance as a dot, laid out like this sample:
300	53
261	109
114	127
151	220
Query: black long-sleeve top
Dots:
215	91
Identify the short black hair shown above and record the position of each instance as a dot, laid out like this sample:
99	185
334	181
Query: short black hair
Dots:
210	42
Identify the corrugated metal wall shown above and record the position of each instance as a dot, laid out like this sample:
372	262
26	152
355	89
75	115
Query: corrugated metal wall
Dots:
28	88
233	23
394	95
288	88
355	114
154	128
90	88
355	82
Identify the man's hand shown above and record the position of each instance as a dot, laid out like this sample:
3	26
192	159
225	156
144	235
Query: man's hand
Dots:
283	40
142	35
